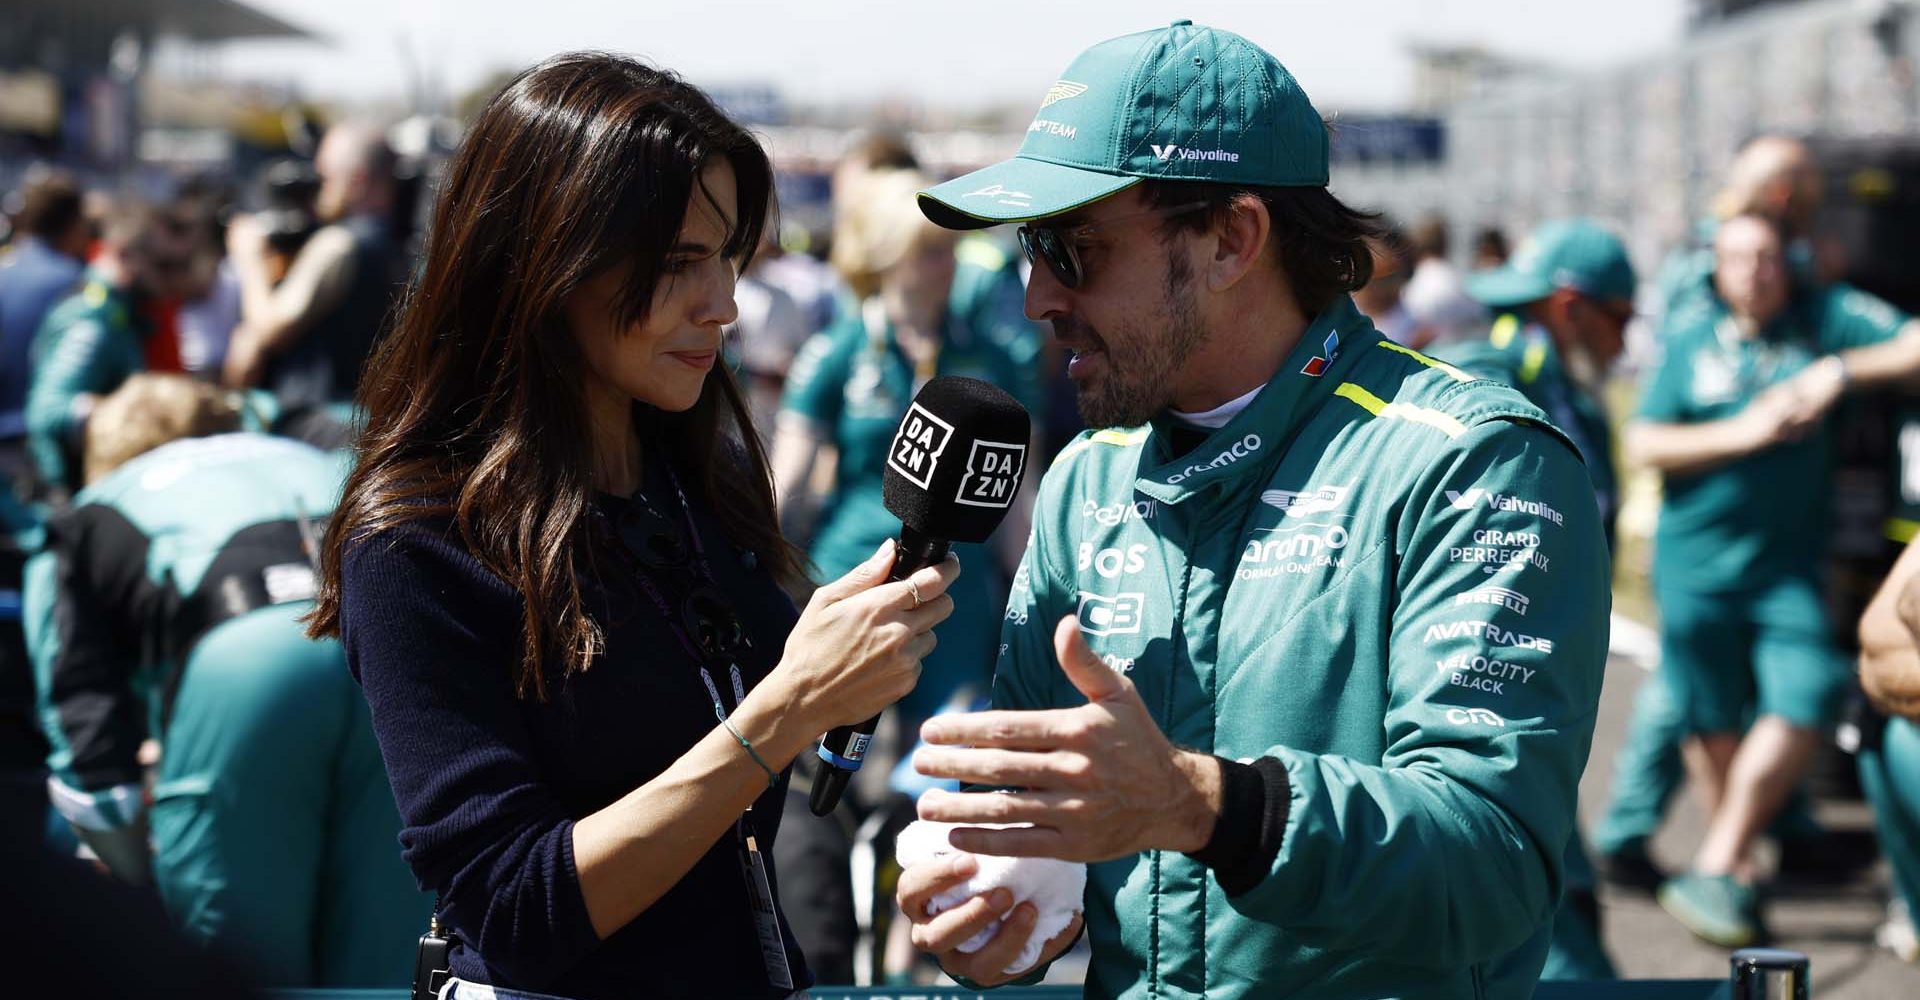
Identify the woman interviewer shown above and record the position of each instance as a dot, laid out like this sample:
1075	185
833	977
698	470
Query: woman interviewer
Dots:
557	560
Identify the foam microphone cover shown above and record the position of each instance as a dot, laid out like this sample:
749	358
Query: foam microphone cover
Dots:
956	460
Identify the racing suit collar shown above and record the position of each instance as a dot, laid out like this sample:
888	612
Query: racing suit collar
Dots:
1251	442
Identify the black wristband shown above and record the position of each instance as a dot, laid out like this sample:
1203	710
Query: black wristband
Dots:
1255	800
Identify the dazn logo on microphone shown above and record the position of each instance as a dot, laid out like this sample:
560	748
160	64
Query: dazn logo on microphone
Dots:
993	473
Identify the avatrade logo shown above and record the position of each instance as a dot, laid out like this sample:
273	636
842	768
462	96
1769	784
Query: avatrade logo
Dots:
1329	349
1504	501
1062	90
1300	503
1175	151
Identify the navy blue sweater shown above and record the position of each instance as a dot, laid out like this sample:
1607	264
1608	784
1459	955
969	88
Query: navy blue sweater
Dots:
489	785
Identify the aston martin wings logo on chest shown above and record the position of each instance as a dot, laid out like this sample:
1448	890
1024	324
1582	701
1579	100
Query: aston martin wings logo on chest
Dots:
1061	90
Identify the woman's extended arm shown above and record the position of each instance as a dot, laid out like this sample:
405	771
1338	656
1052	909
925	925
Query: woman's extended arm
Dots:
532	888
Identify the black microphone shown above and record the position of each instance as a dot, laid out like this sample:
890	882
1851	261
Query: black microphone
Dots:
952	471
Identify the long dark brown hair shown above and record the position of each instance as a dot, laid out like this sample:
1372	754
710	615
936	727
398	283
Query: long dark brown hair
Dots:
474	403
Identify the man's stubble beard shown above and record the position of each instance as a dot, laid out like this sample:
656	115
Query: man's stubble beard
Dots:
1133	391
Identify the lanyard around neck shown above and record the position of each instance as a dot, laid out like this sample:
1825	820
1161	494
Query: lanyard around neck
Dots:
674	621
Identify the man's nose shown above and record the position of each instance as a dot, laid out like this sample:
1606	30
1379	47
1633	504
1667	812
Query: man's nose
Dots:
1046	296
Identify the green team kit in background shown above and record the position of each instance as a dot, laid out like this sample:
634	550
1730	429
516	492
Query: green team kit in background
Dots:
1738	550
89	343
168	603
852	383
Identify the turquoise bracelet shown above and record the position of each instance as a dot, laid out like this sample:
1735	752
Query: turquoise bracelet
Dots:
772	777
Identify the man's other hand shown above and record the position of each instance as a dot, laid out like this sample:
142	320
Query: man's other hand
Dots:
1097	782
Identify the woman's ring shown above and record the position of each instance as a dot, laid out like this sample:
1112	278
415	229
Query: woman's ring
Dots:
913	589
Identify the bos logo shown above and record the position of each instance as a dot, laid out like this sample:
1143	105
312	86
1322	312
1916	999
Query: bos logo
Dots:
1120	614
993	473
1110	563
918	444
1329	349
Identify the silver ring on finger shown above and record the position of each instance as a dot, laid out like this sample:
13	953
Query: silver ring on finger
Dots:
914	589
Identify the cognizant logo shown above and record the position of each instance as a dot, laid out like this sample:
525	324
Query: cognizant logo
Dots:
1241	449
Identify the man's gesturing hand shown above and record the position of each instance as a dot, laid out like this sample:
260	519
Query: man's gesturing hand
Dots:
1097	782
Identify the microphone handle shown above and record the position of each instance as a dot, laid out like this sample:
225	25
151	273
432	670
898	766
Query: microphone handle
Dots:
843	750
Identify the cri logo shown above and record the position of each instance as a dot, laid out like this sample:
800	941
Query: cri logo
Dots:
1474	717
1329	350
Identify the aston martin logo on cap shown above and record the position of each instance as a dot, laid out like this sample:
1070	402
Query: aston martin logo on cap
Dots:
1061	90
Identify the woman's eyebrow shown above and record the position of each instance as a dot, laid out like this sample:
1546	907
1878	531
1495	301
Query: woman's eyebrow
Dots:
694	249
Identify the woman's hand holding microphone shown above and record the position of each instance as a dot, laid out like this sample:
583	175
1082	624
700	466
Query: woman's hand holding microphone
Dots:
858	644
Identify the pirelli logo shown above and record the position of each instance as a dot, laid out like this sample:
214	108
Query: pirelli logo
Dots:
1499	597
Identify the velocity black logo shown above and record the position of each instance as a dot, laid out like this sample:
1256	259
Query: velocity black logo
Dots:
917	446
993	472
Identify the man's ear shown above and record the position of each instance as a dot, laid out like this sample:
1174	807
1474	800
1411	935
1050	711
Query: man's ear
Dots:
1242	239
1562	307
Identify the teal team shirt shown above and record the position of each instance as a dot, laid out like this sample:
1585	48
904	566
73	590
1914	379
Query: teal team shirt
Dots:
1762	517
146	535
1390	576
1522	355
853	384
90	343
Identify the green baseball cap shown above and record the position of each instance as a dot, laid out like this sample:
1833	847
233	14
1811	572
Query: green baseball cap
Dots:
1185	102
1570	253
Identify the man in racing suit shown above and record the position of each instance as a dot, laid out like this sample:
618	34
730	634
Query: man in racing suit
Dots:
1305	651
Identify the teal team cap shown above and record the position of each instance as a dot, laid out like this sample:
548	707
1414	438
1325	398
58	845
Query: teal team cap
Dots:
1579	254
1185	102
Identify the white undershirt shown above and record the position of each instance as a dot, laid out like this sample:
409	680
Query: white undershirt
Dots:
1217	417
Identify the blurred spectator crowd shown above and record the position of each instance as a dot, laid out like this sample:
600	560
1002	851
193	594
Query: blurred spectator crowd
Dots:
176	389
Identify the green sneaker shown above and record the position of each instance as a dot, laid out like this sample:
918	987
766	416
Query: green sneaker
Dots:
1716	908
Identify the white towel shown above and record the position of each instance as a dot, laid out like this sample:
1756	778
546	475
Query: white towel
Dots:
1054	887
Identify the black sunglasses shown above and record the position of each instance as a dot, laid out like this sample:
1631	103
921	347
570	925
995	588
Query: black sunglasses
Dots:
1055	244
705	615
714	625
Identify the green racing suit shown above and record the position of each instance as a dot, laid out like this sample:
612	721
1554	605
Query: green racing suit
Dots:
1390	577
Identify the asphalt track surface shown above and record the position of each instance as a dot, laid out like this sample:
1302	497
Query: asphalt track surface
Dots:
1833	925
